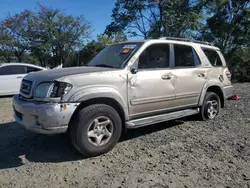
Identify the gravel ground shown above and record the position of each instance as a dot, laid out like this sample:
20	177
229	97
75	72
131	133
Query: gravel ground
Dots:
184	153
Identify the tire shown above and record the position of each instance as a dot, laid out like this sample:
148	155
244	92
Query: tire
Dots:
208	112
88	132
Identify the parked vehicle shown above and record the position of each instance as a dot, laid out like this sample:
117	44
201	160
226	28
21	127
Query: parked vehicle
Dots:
127	85
11	75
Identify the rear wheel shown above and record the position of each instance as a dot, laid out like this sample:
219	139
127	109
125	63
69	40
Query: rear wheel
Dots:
96	129
211	106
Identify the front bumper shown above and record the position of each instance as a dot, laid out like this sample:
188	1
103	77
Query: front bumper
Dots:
44	118
228	91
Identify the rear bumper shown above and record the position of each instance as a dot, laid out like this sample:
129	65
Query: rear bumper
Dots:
44	118
228	91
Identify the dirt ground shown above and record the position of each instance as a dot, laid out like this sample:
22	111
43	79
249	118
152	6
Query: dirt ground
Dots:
182	154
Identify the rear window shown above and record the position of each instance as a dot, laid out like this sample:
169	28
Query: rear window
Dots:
32	69
213	57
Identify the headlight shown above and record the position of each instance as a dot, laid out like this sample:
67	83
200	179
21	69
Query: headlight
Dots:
52	89
60	89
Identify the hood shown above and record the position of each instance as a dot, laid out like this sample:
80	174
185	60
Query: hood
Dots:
50	75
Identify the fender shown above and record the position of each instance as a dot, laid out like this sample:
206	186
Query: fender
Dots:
93	92
209	83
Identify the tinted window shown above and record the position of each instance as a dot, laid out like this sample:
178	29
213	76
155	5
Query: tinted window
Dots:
213	57
32	69
155	56
12	69
185	56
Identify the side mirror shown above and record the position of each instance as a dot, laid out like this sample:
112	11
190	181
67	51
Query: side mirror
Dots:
134	70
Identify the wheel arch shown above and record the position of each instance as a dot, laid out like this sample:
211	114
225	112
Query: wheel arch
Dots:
213	88
102	100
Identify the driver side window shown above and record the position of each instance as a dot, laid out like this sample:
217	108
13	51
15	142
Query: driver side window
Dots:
155	56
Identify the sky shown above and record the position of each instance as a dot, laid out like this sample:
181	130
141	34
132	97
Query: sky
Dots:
97	12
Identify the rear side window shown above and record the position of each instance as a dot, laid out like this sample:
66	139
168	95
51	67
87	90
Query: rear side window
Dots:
185	56
13	69
32	69
213	57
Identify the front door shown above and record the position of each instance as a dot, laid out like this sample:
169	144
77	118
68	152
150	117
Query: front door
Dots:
151	86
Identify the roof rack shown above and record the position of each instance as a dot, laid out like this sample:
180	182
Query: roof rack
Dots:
185	40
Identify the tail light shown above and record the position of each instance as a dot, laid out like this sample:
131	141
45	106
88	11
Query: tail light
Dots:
229	75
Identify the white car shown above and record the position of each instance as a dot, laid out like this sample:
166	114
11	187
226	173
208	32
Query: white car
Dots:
11	75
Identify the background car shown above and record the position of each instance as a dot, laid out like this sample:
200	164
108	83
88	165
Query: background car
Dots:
11	75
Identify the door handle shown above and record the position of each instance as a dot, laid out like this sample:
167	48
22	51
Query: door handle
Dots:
19	77
201	75
166	77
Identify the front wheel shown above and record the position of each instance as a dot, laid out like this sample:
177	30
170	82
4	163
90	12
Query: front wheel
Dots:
211	106
96	129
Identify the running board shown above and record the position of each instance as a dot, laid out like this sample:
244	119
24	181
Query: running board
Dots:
160	118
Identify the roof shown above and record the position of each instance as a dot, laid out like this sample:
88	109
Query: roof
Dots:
24	64
178	40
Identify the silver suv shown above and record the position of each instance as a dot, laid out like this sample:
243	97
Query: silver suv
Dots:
127	85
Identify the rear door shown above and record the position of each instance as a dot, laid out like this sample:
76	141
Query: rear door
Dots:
190	77
10	78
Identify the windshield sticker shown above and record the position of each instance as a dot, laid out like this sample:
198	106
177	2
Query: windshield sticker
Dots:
125	51
129	46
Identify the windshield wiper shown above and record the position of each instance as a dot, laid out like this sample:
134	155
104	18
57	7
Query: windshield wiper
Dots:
104	65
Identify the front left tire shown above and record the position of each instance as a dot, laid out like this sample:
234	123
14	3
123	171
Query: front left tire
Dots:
96	129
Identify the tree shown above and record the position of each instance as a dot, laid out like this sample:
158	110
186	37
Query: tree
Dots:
180	18
114	38
14	29
47	34
57	34
130	15
90	51
228	27
155	18
228	24
5	46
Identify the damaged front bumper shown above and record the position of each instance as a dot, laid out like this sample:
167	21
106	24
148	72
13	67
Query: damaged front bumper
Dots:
44	118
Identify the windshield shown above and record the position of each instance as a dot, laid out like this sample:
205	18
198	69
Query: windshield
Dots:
115	56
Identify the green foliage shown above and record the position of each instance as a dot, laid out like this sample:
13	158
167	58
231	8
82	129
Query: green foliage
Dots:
11	36
48	34
112	39
152	19
90	51
228	26
239	65
83	56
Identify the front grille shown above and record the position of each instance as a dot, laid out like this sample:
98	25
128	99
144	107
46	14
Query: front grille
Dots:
19	115
26	87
